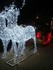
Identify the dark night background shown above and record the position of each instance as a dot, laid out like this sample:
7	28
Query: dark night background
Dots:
43	60
44	9
32	9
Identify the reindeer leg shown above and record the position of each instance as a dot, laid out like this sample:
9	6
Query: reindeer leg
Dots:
19	48
5	43
15	51
34	38
35	47
14	48
23	48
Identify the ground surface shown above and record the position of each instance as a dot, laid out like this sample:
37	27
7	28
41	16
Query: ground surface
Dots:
42	60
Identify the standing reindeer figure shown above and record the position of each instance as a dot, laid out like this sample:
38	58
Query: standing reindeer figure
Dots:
17	33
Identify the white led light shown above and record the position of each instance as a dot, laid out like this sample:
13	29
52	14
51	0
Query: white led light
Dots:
14	32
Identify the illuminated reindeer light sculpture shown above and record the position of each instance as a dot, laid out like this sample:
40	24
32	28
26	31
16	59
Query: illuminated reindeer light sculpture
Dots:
14	32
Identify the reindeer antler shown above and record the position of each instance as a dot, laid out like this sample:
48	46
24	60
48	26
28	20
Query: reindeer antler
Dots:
22	4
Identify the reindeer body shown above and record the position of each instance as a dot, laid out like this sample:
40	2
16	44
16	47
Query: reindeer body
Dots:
16	33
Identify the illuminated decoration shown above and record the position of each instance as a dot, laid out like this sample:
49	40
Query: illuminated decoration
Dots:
47	38
38	35
4	32
37	17
9	30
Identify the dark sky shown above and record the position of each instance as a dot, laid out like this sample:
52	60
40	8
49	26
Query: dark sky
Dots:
32	8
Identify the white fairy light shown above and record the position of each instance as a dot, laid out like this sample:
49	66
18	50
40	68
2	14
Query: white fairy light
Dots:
14	32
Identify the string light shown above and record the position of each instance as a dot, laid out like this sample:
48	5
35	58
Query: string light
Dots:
14	32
